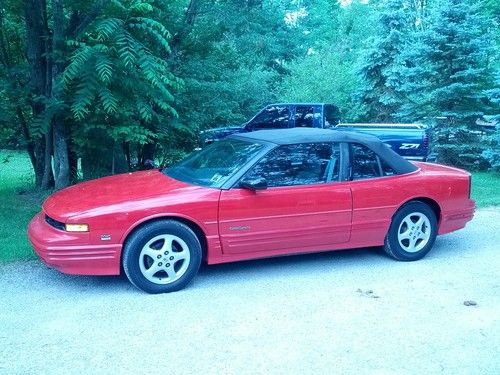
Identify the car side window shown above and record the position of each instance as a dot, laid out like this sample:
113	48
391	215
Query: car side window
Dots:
300	164
387	170
274	117
304	116
365	163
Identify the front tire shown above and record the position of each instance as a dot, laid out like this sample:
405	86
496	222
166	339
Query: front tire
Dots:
412	232
162	256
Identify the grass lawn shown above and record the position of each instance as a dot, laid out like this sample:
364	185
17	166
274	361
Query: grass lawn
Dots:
19	202
486	189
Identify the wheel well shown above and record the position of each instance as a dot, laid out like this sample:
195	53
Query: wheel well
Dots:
432	204
193	226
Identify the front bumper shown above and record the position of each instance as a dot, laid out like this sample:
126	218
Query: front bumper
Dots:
72	253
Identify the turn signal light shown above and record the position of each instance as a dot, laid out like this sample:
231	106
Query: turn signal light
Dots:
76	227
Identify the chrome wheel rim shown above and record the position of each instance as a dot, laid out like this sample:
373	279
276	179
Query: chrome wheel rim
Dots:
164	259
414	232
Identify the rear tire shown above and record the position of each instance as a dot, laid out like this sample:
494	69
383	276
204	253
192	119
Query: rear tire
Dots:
412	232
162	256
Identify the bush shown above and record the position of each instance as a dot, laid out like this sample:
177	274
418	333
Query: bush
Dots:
461	147
492	153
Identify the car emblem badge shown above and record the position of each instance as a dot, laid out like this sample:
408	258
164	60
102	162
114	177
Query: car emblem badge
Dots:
105	237
240	228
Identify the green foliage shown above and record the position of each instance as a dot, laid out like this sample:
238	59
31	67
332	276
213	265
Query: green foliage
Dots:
381	66
447	65
324	73
117	64
231	58
118	83
14	94
150	74
460	147
446	76
492	152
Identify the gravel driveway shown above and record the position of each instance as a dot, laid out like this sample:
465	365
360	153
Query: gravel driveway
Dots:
340	312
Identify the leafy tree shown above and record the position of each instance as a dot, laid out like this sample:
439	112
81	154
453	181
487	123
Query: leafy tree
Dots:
119	79
231	55
98	79
118	83
332	35
14	110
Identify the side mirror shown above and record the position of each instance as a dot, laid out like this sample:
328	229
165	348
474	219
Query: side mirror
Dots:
259	183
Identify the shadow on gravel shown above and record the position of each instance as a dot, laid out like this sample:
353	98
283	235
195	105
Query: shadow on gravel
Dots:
289	269
300	262
220	275
210	276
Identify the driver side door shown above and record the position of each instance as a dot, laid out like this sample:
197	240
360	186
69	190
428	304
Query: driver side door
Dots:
304	208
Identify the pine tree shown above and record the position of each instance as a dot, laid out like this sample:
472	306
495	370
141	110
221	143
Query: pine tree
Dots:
448	64
446	75
381	65
492	151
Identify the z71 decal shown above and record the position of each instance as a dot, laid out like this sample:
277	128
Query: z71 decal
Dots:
408	146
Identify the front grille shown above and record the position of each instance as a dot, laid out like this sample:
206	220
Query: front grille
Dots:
54	223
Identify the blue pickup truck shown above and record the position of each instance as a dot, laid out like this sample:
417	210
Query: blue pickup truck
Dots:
409	140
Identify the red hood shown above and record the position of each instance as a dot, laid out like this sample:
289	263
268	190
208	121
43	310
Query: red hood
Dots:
109	191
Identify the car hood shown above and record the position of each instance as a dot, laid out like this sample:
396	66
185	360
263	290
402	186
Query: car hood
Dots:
102	193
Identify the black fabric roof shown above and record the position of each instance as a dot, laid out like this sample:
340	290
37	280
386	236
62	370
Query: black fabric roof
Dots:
315	135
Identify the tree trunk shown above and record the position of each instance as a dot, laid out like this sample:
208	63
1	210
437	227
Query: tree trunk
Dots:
73	163
48	175
126	151
30	146
148	156
36	51
61	154
192	12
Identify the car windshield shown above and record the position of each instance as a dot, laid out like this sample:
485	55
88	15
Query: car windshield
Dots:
216	164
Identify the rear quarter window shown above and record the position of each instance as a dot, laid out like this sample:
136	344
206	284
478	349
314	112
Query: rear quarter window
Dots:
365	163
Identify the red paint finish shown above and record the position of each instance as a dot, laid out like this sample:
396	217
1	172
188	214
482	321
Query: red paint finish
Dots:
284	218
240	224
72	253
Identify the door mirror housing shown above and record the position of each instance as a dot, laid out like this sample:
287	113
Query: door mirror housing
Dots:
259	183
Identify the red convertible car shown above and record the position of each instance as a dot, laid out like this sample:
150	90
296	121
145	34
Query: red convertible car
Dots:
251	195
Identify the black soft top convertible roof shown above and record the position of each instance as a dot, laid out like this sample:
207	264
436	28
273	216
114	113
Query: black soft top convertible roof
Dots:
314	135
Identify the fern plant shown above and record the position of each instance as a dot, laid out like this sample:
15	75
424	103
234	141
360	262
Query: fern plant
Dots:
118	76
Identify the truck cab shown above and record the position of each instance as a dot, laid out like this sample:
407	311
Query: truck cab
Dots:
409	140
286	115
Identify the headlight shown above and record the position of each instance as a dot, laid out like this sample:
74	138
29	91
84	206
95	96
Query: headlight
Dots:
76	227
